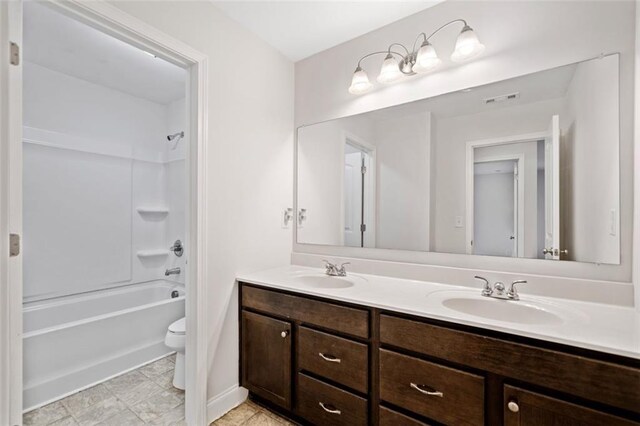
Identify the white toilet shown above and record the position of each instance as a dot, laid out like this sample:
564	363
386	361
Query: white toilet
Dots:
175	339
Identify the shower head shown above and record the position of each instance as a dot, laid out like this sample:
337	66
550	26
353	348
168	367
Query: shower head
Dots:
175	135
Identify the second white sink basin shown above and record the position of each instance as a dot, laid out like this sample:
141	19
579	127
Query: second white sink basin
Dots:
325	281
521	311
502	310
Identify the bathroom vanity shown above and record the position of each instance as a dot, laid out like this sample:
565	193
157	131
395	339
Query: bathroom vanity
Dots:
355	351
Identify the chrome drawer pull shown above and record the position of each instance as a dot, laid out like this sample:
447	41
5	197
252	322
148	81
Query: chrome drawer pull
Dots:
329	358
330	408
429	391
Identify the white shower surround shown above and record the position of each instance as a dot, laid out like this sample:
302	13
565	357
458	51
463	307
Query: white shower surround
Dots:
111	331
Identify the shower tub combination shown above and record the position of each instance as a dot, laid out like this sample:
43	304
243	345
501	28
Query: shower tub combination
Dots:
73	342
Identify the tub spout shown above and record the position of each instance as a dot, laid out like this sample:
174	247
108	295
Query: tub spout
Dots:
172	271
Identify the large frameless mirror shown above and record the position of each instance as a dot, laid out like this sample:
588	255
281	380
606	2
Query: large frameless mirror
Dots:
526	167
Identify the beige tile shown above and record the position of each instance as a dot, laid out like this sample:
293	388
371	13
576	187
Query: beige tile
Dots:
156	368
237	416
126	381
67	421
45	415
100	411
281	420
86	398
177	392
172	358
139	392
124	418
156	405
173	417
164	380
263	419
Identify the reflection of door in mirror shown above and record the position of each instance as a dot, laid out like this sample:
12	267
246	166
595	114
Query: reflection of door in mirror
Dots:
358	190
496	208
551	248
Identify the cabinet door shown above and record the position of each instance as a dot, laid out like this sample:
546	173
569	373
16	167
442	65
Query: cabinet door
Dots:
266	358
524	408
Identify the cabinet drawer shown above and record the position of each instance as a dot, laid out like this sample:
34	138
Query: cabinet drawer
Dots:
593	379
393	418
335	317
323	404
341	360
440	393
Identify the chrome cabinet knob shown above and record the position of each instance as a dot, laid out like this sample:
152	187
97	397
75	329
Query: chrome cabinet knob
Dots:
513	406
284	334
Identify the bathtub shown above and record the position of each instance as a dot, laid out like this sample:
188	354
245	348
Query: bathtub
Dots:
73	342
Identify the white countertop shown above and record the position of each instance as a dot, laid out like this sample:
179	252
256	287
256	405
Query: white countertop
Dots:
605	328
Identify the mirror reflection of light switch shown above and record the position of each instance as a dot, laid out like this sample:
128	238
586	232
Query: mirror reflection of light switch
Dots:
459	222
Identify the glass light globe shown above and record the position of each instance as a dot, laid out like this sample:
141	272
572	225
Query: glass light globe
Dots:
427	58
467	46
390	71
360	82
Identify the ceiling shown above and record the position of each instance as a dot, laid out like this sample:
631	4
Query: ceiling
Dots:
62	44
300	29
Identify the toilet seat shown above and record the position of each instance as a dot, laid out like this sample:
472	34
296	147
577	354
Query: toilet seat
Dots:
178	327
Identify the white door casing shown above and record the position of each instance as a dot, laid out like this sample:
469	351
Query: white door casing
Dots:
116	23
552	190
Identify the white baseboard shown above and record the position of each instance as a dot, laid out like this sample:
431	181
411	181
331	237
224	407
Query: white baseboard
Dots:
225	401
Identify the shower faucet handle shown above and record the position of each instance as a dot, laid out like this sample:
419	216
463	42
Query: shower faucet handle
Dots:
177	248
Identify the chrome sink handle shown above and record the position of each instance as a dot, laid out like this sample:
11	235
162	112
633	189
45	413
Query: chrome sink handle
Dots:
341	271
486	289
513	292
330	268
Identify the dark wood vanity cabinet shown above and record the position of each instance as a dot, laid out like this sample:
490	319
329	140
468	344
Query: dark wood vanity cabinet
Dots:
266	354
324	362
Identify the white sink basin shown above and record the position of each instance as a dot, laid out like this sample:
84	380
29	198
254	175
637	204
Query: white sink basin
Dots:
325	281
521	311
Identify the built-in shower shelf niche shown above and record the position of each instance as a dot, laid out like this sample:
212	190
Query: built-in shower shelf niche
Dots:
145	254
152	211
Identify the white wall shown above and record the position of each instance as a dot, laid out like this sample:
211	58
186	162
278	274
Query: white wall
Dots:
93	155
452	135
403	175
521	38
320	176
590	134
249	164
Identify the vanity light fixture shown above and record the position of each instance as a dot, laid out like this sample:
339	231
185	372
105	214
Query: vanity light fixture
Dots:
416	61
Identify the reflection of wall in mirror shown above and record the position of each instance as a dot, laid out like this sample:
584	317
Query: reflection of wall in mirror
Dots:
590	163
403	179
320	177
452	135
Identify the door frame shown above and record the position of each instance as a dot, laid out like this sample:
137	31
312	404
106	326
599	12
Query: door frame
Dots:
131	30
371	185
470	146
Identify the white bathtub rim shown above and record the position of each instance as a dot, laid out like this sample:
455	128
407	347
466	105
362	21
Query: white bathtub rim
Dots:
57	398
97	318
95	293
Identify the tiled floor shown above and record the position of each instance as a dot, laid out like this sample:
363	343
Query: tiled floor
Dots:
251	414
140	397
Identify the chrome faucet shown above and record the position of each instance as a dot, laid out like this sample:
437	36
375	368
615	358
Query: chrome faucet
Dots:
498	290
172	271
333	270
